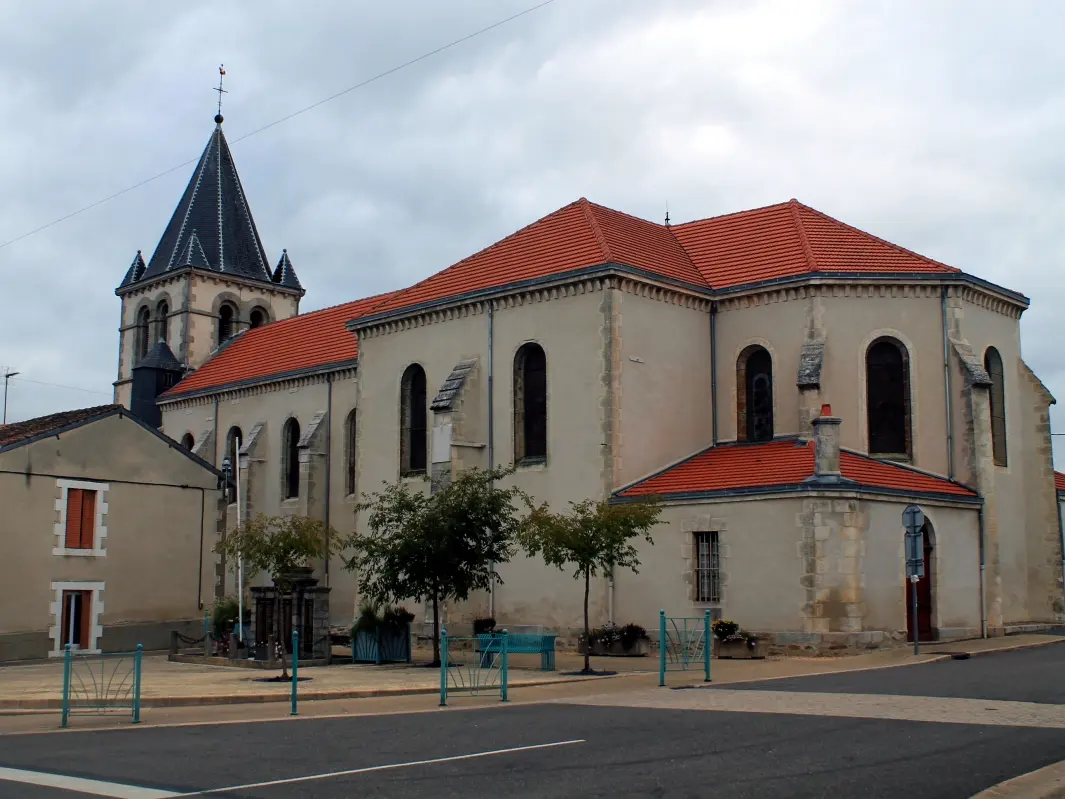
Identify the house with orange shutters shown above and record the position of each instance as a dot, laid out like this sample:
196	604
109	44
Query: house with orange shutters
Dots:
785	382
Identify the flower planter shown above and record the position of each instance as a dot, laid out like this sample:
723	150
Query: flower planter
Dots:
383	645
640	648
740	650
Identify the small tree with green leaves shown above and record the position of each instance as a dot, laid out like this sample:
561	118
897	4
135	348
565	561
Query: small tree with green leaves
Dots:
281	546
436	546
592	538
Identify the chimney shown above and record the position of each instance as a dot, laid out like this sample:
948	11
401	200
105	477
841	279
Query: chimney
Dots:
826	445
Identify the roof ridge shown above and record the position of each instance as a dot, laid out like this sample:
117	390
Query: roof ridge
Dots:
876	238
192	200
260	252
726	216
811	262
905	467
597	231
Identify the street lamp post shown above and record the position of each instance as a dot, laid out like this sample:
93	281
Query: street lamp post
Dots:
7	376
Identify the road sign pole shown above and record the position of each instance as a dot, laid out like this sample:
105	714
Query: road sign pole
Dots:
913	604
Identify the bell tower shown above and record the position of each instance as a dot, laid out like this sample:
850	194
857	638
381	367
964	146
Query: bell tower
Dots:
209	278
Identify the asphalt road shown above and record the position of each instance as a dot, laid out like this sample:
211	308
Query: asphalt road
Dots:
619	752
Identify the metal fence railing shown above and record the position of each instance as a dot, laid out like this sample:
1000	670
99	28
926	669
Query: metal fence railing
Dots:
475	666
683	641
103	683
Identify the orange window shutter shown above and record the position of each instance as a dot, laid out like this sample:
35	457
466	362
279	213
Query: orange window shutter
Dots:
73	531
88	519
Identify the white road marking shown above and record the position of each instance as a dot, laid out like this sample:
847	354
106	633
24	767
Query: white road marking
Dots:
92	787
367	769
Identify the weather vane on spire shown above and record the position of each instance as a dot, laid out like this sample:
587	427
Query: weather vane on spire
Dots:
221	91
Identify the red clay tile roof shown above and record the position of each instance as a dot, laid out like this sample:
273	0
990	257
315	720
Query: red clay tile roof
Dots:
307	341
576	236
783	462
788	240
42	425
1059	481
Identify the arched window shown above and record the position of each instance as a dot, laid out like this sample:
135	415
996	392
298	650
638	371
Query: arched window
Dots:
162	321
997	396
412	421
257	318
234	439
349	453
188	442
887	383
227	315
290	465
530	404
754	394
144	319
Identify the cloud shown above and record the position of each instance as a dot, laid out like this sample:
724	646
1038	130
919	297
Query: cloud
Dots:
933	125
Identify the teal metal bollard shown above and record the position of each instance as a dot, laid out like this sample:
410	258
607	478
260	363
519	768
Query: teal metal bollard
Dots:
443	667
503	667
661	648
67	654
295	669
137	684
708	644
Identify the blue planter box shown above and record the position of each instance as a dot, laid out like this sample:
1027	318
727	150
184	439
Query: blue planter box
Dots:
384	645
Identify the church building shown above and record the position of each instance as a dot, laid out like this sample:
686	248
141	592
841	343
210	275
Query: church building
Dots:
785	382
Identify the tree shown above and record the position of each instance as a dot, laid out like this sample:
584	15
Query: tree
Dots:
436	546
592	537
281	546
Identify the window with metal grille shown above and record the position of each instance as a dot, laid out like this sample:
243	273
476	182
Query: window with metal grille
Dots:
81	519
707	567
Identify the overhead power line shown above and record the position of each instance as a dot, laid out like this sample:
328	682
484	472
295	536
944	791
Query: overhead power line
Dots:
287	117
60	385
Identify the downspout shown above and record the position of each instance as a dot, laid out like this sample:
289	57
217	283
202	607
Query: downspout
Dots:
214	437
713	371
199	563
946	383
491	441
328	463
983	567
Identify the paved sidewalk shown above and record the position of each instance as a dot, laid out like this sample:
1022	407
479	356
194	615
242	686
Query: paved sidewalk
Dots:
164	684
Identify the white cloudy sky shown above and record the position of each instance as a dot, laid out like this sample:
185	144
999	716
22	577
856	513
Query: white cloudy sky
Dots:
936	125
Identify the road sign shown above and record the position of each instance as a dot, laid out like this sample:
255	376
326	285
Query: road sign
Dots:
914	555
913	519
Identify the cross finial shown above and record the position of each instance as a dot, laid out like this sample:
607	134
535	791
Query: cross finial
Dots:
221	91
667	214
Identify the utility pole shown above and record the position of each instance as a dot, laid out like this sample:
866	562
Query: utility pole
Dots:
7	377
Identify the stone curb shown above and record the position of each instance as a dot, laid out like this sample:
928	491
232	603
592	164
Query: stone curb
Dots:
1044	783
29	705
1016	647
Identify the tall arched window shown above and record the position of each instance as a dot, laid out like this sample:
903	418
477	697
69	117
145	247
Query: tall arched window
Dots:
144	321
227	315
257	318
754	394
290	462
162	321
997	396
349	453
887	383
234	439
188	442
530	404
412	421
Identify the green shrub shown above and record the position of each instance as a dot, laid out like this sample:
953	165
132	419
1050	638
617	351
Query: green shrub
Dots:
224	617
485	625
631	634
725	630
368	620
396	618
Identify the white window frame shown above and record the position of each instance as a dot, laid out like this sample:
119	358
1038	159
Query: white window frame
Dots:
99	532
711	568
96	609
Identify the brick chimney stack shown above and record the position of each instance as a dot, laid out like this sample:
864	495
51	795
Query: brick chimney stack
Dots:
826	445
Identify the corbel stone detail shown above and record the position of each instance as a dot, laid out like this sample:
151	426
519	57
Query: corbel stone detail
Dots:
831	550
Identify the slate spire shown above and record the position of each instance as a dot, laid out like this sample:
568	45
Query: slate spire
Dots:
212	227
285	275
135	271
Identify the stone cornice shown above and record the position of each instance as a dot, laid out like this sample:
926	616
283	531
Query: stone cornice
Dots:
224	278
265	385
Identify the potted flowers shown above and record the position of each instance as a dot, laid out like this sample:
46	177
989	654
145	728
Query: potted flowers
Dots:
628	641
732	642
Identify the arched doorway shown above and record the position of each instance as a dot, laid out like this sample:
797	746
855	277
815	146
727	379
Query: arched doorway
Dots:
925	593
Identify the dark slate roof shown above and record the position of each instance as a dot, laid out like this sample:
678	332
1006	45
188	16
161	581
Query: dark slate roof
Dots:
160	357
285	275
212	227
19	432
135	271
445	397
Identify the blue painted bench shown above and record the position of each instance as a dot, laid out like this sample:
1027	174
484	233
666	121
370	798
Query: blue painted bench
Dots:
542	644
